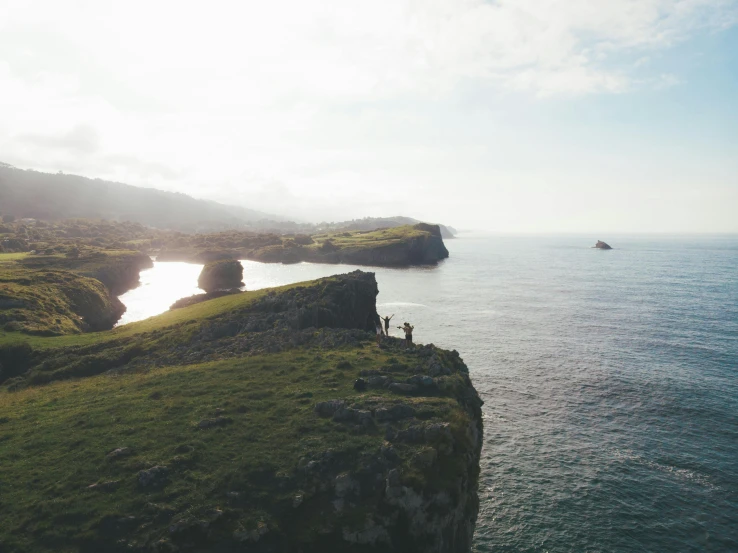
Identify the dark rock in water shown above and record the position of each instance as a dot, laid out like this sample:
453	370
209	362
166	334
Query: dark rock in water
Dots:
221	275
600	245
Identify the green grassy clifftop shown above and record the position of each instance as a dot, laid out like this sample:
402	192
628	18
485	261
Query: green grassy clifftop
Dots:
416	244
56	294
399	246
261	421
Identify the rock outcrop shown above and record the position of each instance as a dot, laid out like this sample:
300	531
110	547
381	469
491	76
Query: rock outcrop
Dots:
51	303
225	274
122	273
420	244
600	245
119	272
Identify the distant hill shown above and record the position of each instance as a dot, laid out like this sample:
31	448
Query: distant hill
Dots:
58	196
52	197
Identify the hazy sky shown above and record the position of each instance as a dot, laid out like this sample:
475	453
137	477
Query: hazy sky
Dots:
527	115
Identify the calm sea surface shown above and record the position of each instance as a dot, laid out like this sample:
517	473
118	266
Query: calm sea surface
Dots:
610	380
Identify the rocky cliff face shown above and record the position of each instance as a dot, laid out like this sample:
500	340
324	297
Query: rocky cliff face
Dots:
98	309
419	500
122	273
49	303
422	250
420	244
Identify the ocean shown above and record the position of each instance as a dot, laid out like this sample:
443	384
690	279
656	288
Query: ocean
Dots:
610	380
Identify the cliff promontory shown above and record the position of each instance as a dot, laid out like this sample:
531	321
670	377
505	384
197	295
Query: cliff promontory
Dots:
49	295
260	421
418	244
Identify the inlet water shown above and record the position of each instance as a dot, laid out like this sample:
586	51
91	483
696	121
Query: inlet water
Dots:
610	380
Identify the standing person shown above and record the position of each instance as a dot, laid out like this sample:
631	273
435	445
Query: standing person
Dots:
386	323
378	325
408	329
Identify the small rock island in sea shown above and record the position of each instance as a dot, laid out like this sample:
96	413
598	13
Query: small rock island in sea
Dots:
224	274
218	278
600	245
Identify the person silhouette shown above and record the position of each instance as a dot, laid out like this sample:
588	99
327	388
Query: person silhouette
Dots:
407	328
386	323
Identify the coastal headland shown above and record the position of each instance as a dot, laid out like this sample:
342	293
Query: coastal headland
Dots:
257	421
419	244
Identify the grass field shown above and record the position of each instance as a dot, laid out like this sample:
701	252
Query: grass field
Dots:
8	257
368	239
192	316
54	441
52	302
236	445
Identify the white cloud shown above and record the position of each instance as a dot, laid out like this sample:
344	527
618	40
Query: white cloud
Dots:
330	97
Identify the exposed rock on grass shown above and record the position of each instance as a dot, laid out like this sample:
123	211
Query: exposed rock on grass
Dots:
118	453
155	476
217	421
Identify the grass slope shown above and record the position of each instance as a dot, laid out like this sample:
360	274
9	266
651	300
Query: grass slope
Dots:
53	302
234	478
179	320
50	295
220	407
361	239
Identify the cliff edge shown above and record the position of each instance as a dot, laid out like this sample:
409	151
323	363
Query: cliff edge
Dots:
260	421
419	244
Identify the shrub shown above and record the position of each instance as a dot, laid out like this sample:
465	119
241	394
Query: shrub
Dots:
328	246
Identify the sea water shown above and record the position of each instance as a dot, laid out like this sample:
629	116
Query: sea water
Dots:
610	380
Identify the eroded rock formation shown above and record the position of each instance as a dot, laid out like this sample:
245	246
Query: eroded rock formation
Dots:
225	274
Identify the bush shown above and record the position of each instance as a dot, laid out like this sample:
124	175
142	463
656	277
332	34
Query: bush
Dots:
328	246
14	360
304	239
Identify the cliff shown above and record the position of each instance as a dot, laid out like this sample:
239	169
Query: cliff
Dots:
419	244
48	295
259	421
119	271
49	303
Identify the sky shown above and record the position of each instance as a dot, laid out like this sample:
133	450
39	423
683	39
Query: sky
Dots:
507	116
